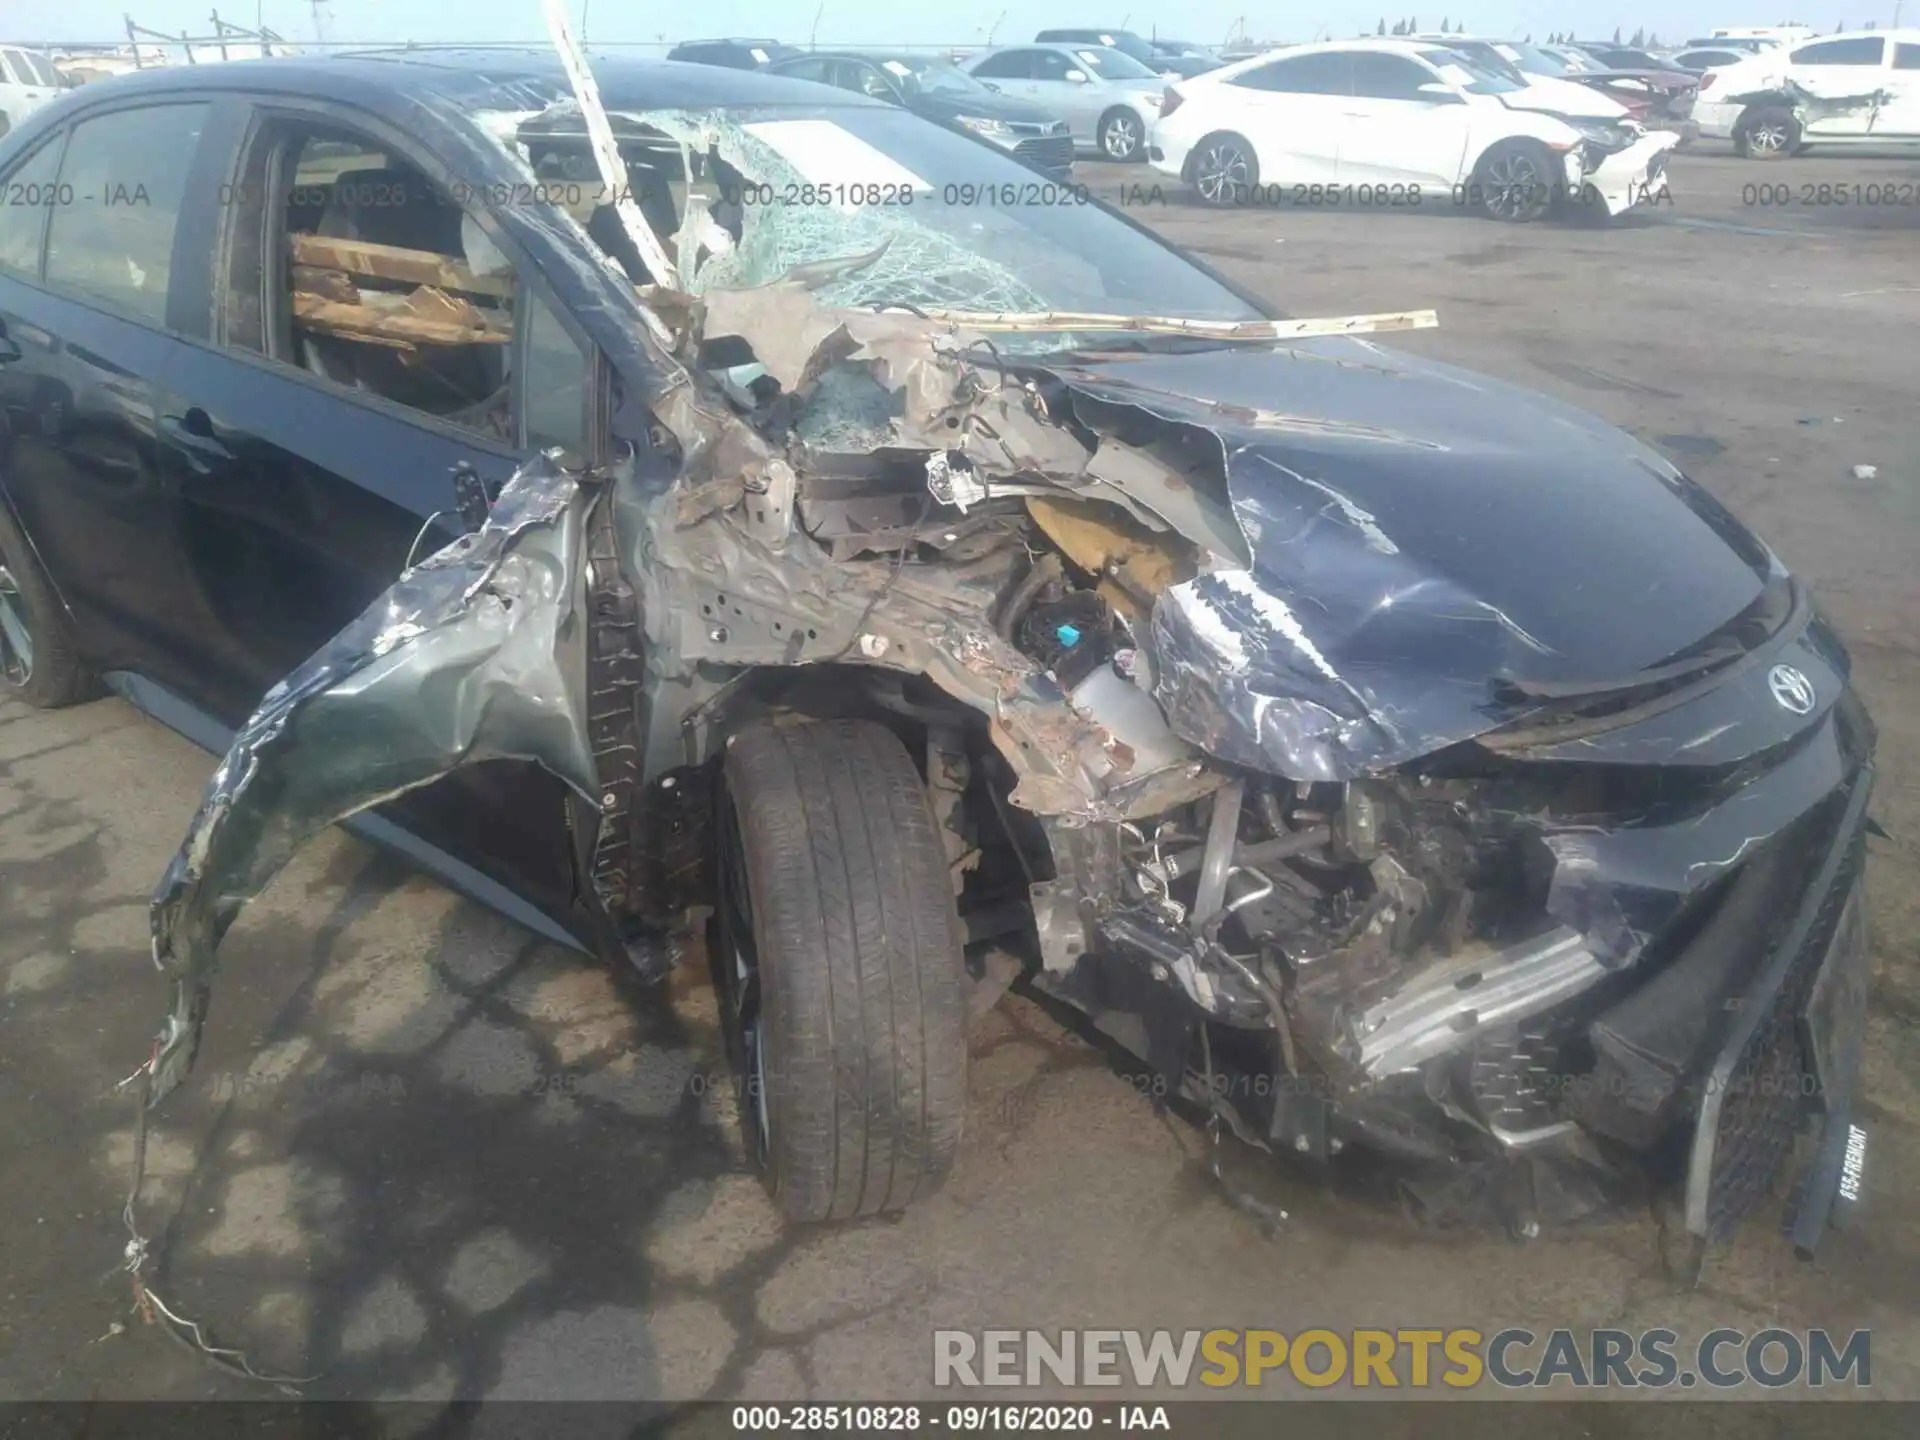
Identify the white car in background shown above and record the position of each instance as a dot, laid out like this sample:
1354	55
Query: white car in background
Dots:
1108	99
1542	91
26	80
1861	89
1399	122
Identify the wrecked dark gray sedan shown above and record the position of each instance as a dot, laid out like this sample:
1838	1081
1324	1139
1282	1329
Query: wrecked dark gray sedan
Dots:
695	507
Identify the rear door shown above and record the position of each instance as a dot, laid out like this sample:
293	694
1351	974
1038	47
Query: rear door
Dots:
1850	71
1899	118
1294	110
98	281
1394	133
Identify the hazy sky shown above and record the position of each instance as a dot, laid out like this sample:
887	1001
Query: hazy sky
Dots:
878	21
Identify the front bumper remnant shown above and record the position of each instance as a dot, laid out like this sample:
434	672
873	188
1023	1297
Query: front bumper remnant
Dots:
1636	175
1794	1046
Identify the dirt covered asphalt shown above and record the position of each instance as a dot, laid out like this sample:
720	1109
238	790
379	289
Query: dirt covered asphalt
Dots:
426	1155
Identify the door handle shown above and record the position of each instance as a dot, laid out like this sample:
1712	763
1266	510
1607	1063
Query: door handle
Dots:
192	434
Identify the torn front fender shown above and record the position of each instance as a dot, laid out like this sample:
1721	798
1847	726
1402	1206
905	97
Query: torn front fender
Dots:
476	653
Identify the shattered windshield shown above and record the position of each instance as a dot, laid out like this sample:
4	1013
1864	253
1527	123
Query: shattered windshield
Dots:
876	208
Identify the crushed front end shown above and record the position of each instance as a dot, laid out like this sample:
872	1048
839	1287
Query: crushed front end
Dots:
1398	762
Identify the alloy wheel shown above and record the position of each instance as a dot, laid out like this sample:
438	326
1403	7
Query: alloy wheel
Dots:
1223	173
1514	183
1121	137
16	641
1767	139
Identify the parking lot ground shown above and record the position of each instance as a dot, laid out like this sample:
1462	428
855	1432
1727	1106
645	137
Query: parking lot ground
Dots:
426	1155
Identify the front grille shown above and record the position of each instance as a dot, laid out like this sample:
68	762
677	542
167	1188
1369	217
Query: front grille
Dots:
1759	1097
1050	152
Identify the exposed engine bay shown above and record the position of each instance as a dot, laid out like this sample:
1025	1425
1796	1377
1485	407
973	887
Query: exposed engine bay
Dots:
1319	753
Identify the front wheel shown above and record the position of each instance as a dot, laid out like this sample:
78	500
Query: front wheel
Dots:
1225	171
836	954
1122	137
1768	133
1517	181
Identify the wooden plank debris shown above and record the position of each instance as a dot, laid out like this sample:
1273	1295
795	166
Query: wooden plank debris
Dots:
366	259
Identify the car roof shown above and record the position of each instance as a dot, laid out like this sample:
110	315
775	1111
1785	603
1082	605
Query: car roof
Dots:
1045	45
853	52
1374	44
483	78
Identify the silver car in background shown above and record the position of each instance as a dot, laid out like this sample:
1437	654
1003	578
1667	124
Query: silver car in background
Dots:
1108	99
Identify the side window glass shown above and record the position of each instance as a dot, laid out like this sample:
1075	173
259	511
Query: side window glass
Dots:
1866	50
110	233
376	280
1906	57
25	197
1323	74
1011	66
553	393
1387	77
1050	65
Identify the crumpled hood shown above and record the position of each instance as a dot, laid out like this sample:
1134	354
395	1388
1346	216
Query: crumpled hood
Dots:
1565	98
1417	534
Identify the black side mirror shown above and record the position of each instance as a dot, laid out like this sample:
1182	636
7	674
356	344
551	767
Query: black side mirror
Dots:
473	497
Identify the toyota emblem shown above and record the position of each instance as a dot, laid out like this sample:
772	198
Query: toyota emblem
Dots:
1793	690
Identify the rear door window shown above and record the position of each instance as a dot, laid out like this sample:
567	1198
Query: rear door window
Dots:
1013	65
25	197
1326	74
122	183
1906	57
1861	50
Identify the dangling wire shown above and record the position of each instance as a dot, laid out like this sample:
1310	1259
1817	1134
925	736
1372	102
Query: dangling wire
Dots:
147	1304
414	549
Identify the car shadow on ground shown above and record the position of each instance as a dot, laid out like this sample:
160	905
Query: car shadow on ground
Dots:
492	1170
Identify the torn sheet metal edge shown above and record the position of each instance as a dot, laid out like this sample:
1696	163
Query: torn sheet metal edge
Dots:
714	594
476	653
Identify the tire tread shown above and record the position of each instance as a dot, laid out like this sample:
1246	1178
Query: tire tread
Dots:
861	975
